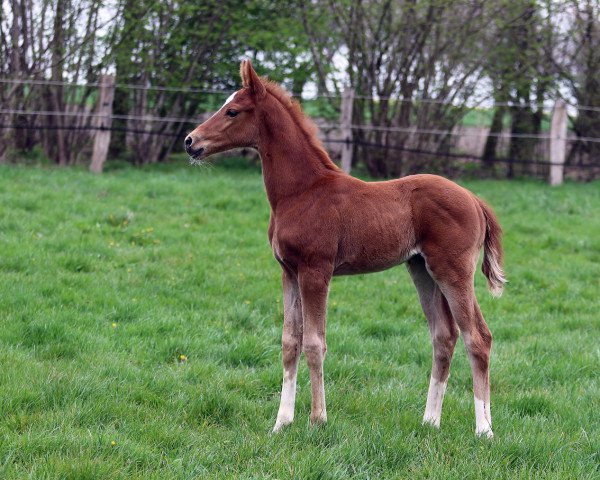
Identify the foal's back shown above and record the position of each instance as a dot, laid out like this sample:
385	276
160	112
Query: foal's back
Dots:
382	224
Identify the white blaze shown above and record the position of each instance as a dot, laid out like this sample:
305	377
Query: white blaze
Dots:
229	99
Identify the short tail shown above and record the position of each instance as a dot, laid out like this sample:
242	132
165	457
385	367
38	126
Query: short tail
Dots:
492	252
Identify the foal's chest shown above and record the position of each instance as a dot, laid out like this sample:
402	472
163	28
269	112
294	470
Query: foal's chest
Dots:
302	239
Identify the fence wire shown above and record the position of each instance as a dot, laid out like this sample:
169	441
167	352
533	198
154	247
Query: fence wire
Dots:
363	127
354	142
206	91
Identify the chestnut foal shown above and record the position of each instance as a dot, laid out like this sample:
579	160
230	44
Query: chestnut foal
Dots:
325	223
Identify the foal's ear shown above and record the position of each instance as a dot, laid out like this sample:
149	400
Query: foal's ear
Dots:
251	80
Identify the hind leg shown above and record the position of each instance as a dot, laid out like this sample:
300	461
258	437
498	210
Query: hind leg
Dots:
455	279
444	333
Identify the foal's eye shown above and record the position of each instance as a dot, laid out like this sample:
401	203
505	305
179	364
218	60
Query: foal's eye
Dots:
231	113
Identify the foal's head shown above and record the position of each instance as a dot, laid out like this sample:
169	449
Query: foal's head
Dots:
235	125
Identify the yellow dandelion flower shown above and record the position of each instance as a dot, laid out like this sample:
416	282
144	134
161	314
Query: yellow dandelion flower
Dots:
183	358
113	443
114	324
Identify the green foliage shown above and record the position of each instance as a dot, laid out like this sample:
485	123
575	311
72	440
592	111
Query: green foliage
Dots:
271	31
321	108
198	45
519	67
161	359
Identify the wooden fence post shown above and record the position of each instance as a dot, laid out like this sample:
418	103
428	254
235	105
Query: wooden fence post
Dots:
558	142
346	123
103	122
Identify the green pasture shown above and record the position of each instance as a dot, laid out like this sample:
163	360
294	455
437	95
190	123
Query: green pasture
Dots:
141	321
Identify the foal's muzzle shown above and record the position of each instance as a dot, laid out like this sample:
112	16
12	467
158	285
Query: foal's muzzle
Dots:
192	152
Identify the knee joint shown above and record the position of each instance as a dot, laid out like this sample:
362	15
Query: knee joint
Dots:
314	351
445	340
479	351
486	337
290	348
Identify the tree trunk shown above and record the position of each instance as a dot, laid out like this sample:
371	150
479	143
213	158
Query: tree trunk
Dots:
490	150
57	93
521	149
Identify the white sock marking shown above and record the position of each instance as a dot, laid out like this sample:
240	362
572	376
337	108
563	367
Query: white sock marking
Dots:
483	418
285	416
435	397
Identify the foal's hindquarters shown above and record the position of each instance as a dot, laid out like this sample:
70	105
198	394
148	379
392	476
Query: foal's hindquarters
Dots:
452	227
436	227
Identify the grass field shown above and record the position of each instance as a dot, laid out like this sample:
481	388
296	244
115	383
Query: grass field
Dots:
140	333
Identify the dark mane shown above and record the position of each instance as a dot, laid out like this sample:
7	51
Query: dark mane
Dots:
307	126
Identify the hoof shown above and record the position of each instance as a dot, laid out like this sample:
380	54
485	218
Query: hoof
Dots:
280	424
432	422
485	433
318	420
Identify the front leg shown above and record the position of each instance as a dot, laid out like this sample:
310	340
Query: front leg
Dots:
314	288
291	346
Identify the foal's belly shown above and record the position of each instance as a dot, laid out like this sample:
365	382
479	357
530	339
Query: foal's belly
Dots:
363	266
373	255
379	236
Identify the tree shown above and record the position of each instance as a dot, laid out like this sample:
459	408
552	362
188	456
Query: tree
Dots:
196	45
62	38
411	63
520	74
576	58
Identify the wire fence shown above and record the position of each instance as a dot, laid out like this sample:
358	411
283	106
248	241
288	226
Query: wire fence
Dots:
25	81
83	114
461	156
363	127
227	92
325	140
82	119
89	128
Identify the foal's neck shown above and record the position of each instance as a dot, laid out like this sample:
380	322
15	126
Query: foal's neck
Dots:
291	160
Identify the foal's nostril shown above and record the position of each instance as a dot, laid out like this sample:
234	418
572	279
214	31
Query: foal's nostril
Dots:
188	141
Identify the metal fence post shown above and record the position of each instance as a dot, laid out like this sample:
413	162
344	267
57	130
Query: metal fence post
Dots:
346	127
558	142
103	122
